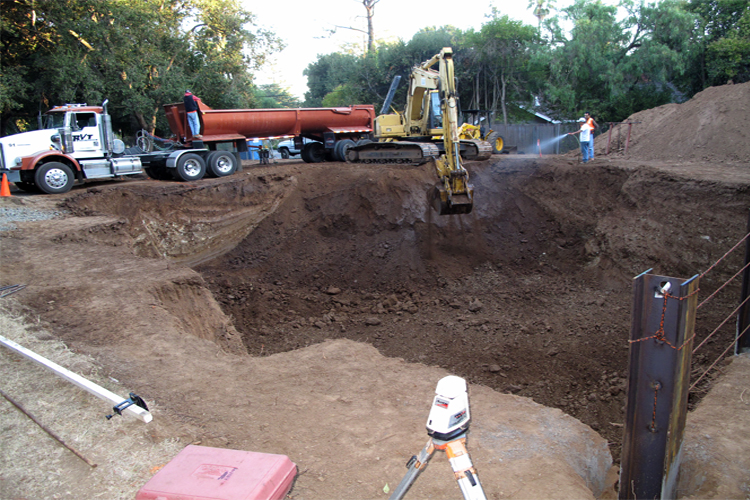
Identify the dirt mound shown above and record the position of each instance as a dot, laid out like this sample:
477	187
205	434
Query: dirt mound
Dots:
713	126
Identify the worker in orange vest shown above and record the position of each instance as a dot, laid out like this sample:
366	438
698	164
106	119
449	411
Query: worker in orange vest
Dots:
591	123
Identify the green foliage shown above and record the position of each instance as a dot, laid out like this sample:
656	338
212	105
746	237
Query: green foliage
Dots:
327	73
720	49
609	64
342	79
729	57
500	54
139	54
274	96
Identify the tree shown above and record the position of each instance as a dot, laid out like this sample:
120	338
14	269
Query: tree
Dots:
140	54
326	73
729	57
720	49
541	9
272	95
501	50
370	8
613	66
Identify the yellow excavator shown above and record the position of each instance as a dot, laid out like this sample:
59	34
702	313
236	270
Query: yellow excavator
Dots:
428	130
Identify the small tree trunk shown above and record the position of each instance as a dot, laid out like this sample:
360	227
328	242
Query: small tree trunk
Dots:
150	127
370	8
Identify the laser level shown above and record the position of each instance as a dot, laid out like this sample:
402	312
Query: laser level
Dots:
447	426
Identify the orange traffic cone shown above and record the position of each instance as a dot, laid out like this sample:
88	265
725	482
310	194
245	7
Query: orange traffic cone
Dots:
5	187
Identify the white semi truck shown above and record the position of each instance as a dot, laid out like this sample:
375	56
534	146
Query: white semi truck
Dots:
77	143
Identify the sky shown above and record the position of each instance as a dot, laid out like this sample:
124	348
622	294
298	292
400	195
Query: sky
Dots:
304	26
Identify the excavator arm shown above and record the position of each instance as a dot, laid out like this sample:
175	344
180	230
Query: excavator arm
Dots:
452	194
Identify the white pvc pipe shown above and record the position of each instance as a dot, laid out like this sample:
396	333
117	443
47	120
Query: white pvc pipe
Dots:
81	382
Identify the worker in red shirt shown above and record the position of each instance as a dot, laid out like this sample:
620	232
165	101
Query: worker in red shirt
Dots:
191	108
591	123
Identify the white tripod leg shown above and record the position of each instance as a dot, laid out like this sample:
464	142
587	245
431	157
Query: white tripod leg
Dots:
415	466
464	470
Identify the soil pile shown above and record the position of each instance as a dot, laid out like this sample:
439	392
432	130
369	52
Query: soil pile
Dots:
713	126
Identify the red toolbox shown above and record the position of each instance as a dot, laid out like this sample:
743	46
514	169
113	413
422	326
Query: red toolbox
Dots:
203	473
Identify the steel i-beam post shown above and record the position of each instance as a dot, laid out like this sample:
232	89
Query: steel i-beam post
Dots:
661	340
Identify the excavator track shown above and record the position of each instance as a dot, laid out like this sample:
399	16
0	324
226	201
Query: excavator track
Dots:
397	152
475	150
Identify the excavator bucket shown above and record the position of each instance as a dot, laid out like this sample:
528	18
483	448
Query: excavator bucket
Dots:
446	203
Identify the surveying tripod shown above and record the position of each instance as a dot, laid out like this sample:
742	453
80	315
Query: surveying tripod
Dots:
447	426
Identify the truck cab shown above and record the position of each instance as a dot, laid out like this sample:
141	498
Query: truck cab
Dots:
76	142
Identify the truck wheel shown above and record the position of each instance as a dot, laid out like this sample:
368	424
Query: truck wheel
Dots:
221	163
284	153
190	167
54	178
305	154
339	151
314	152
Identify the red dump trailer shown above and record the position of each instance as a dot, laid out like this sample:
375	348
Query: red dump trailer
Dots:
335	129
77	143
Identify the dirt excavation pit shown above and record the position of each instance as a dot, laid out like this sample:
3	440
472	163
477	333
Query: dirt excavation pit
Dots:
529	295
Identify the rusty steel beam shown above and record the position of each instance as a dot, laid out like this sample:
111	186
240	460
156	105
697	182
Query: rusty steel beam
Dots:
661	340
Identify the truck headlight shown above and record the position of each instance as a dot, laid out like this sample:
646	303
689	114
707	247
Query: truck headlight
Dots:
17	161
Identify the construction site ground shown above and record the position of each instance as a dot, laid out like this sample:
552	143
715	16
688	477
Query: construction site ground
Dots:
309	310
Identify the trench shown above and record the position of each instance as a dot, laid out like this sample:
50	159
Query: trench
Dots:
529	294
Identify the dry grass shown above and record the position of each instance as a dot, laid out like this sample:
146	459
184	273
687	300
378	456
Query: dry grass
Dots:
33	464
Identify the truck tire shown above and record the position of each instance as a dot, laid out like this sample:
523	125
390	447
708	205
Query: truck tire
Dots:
190	167
221	163
54	178
304	154
342	146
314	152
284	153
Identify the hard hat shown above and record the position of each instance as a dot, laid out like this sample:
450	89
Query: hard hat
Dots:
188	92
581	120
